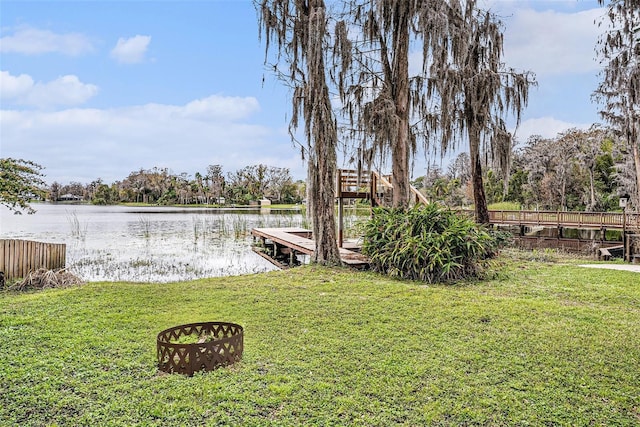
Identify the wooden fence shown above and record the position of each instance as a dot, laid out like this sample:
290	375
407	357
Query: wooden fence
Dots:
19	257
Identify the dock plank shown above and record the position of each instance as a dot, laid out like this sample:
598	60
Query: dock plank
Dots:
294	238
286	237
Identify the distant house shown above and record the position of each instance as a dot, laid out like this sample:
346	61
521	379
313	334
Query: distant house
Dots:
265	202
69	198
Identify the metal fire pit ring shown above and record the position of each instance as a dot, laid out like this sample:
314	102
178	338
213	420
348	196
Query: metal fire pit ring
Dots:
216	344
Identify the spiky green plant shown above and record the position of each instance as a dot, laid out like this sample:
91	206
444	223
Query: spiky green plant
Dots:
429	243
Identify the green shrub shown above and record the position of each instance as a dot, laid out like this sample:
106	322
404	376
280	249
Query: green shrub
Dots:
428	243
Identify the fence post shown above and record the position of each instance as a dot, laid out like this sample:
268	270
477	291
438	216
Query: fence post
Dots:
625	249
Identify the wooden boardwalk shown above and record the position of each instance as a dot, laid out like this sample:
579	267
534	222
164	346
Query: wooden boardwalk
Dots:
282	245
582	220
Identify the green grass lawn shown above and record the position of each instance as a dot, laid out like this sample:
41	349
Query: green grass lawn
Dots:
543	343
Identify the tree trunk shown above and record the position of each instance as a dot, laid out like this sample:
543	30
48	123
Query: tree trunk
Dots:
636	161
563	198
310	189
323	161
400	170
402	146
479	197
321	200
592	190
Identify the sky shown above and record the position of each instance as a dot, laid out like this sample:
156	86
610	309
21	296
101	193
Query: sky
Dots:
98	89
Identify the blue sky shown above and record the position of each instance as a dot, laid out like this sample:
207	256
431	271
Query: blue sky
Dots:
98	89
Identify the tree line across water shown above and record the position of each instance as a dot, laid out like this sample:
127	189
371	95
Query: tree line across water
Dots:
162	187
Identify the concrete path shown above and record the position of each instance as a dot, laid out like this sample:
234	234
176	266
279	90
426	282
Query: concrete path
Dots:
625	267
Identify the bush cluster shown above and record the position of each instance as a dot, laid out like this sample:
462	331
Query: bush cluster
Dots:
428	243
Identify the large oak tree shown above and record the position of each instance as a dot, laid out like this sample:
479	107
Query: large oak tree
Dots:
461	90
477	93
297	29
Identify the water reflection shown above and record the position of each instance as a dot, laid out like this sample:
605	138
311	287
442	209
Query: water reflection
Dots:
117	243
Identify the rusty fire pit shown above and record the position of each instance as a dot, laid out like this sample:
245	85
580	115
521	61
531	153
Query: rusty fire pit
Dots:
186	349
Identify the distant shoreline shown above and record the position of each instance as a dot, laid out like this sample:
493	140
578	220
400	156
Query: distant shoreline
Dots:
293	207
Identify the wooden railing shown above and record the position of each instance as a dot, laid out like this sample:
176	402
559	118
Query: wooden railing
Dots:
352	186
19	257
381	189
375	187
599	220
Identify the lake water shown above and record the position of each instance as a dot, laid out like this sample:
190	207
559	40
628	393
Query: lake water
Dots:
150	244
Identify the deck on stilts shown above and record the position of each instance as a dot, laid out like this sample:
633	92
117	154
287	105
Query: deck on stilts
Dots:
282	245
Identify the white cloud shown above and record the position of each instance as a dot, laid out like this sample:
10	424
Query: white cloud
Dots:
32	41
551	43
215	107
220	106
13	87
84	144
64	91
547	127
131	50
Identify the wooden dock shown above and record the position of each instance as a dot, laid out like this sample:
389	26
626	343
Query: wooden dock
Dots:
281	246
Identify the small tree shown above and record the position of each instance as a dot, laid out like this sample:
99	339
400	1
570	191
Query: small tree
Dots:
564	149
215	180
20	182
54	191
589	151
